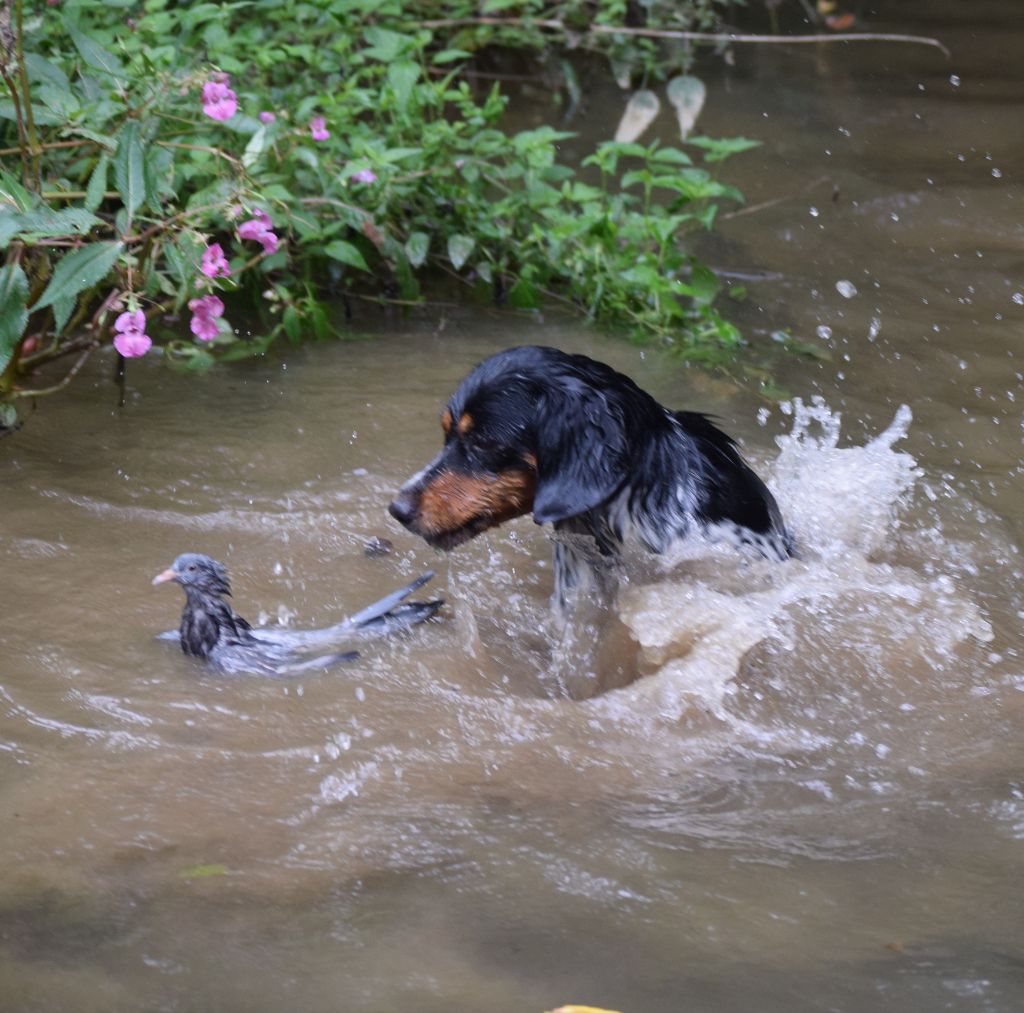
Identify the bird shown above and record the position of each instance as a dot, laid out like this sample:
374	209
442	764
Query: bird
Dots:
212	631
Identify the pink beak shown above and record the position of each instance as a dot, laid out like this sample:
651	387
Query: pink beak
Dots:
162	578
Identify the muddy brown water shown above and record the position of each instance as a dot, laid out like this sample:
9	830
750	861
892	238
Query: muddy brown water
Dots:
812	797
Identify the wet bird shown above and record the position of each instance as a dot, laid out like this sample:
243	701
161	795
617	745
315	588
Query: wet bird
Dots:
212	630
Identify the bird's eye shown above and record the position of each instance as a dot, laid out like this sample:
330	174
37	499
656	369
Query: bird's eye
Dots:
191	567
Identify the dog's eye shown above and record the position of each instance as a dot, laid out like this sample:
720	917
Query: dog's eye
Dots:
483	445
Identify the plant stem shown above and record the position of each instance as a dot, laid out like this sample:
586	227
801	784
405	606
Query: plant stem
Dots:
63	383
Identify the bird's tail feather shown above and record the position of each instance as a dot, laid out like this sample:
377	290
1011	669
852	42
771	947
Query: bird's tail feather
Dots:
401	617
380	608
316	664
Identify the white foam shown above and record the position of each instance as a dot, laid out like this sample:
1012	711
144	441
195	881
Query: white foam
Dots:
842	505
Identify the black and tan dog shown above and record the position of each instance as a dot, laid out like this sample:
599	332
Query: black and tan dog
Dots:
581	446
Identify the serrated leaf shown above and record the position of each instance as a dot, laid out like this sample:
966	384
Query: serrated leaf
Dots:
62	310
97	184
459	249
129	171
416	248
346	253
46	222
94	54
402	76
78	271
13	310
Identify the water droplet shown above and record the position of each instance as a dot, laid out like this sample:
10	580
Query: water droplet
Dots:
846	289
823	332
1018	298
814	212
997	173
954	80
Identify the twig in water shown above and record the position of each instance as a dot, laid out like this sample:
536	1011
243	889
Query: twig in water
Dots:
667	33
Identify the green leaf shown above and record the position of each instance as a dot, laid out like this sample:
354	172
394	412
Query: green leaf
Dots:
78	271
292	324
62	310
94	54
8	417
97	184
524	296
402	77
450	56
386	45
417	247
346	253
705	285
459	249
13	310
60	101
719	149
12	192
256	146
42	70
204	871
42	116
46	222
129	171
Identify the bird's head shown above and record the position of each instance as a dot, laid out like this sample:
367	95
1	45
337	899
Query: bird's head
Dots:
194	570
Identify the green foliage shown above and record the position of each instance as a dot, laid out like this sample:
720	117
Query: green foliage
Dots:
415	178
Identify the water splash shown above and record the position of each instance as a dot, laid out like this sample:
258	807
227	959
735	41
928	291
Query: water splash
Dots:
842	504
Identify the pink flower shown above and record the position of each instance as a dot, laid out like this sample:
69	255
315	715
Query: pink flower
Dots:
365	176
318	128
258	228
132	344
214	263
219	101
205	311
267	117
130	340
255	227
130	322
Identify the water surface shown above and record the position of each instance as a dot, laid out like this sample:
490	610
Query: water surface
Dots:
738	787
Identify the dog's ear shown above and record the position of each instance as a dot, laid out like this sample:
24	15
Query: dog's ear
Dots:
581	452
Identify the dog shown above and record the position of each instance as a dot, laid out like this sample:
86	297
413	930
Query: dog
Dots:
581	446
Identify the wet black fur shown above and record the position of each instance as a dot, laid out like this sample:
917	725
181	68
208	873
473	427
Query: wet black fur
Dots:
610	460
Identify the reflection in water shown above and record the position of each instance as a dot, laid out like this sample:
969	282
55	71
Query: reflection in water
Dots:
755	786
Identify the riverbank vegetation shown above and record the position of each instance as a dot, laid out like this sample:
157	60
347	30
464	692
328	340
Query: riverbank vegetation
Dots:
171	168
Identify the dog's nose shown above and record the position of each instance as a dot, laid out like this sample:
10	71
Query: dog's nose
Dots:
403	508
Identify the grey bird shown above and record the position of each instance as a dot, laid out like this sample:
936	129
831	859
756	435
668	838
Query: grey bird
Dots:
212	631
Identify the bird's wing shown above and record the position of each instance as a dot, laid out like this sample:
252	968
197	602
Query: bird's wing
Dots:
384	616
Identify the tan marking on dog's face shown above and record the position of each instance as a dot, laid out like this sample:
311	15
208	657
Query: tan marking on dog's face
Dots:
446	422
453	501
465	424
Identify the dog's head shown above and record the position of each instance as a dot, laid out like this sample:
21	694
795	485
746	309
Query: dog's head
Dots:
530	429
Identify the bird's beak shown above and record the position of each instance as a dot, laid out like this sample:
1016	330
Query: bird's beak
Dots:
162	578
